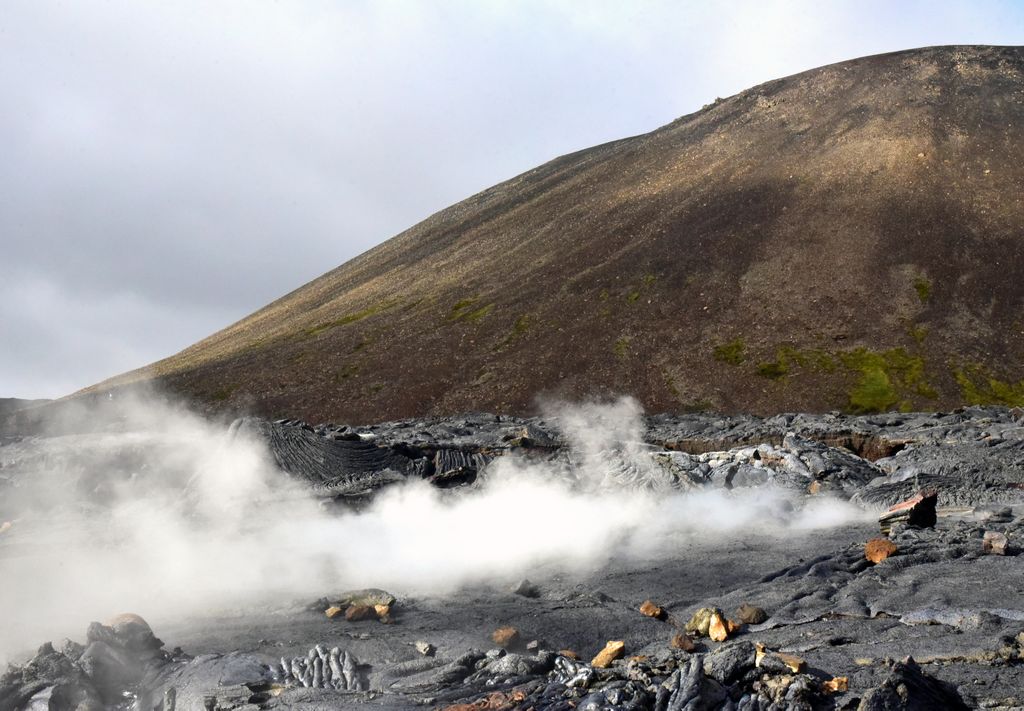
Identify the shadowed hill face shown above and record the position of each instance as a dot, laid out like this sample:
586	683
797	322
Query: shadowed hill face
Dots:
847	238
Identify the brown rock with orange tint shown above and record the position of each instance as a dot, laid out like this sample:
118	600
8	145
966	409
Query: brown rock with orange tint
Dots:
683	641
612	651
649	609
505	637
358	613
878	549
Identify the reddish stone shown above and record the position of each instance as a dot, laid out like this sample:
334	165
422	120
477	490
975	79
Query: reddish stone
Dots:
878	549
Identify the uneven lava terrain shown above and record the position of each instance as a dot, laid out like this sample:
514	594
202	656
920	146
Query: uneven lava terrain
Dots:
801	603
846	238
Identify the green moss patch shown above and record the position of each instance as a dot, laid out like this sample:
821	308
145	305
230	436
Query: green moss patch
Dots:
887	379
350	318
223	393
731	352
467	310
773	369
923	287
621	348
979	387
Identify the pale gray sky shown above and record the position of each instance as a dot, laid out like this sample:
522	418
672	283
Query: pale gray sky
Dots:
168	167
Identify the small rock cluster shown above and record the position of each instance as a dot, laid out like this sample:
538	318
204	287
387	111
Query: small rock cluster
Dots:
116	660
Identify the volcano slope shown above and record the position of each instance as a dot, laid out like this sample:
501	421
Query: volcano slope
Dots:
846	238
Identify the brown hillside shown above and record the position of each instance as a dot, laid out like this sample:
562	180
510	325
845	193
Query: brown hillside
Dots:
851	237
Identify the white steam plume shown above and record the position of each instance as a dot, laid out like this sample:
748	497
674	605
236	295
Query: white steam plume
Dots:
164	514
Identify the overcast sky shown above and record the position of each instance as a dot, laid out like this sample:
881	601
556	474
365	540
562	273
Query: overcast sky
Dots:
168	167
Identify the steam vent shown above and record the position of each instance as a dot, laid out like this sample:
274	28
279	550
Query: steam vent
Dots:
849	238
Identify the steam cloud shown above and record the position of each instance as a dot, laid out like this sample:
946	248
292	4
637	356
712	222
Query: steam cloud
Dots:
163	513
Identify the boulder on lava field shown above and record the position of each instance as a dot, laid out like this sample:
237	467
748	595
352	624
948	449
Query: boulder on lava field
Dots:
918	511
133	632
731	663
370	597
750	614
878	549
334	611
995	543
613	650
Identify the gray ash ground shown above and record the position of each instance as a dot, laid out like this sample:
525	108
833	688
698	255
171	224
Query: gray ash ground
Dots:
938	624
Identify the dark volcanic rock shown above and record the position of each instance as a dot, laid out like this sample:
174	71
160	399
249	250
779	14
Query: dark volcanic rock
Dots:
907	688
716	251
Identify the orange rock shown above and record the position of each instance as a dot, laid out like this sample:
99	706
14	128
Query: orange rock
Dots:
814	488
836	685
718	628
649	609
612	651
505	637
333	611
878	549
383	613
568	654
683	642
5	526
358	613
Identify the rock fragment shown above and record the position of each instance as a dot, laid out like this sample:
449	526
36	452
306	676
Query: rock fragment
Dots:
777	662
720	628
995	543
750	614
334	611
878	549
612	651
649	609
505	637
425	648
836	685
